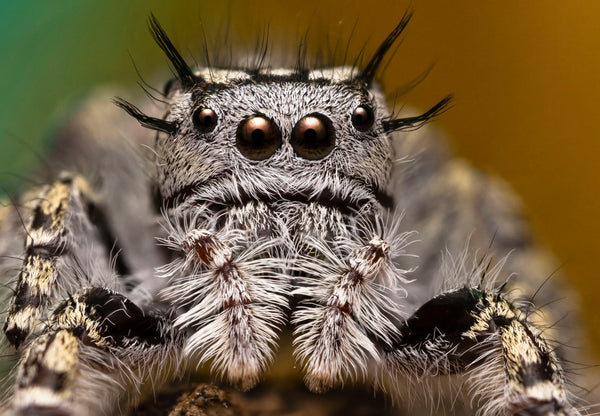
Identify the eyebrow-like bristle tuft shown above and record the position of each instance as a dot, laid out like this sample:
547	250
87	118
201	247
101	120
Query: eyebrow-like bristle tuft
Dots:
184	72
368	73
413	123
146	121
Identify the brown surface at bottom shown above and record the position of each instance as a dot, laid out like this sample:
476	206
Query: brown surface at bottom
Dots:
202	399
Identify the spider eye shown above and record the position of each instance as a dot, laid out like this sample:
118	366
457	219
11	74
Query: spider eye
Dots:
313	137
205	119
362	118
258	138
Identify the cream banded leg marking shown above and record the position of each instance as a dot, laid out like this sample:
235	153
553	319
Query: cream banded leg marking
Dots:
59	240
534	376
488	339
95	345
46	374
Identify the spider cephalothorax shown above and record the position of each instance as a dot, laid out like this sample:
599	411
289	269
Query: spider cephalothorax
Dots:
278	203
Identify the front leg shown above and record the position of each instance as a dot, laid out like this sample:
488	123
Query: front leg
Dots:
67	246
95	346
350	307
229	295
510	367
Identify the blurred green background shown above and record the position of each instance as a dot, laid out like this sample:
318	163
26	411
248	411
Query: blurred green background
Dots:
525	76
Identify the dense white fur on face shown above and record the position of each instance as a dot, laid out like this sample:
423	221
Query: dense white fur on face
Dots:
194	157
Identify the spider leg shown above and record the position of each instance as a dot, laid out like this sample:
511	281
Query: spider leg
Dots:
505	359
63	245
95	346
229	298
350	292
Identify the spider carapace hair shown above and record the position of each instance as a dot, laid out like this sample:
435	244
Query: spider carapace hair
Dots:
274	203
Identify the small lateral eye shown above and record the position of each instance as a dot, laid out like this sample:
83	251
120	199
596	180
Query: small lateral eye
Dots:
362	118
258	138
205	119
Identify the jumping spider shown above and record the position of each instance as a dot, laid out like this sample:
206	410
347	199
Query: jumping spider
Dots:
280	202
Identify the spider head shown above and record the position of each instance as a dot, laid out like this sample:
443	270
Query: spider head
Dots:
236	136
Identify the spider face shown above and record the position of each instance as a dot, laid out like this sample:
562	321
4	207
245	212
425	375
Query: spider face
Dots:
290	138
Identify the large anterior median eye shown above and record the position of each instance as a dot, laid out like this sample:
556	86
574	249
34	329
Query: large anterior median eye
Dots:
258	137
313	137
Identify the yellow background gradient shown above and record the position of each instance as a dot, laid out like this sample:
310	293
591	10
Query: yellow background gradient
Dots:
525	75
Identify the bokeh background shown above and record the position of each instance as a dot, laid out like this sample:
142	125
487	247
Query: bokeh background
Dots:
525	75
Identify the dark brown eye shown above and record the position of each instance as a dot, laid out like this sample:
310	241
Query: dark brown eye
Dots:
313	137
258	137
205	119
362	118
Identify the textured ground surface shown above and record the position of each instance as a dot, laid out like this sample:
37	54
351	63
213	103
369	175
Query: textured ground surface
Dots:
201	399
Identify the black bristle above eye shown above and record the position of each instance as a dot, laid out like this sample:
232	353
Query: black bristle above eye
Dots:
413	123
368	73
146	121
184	72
